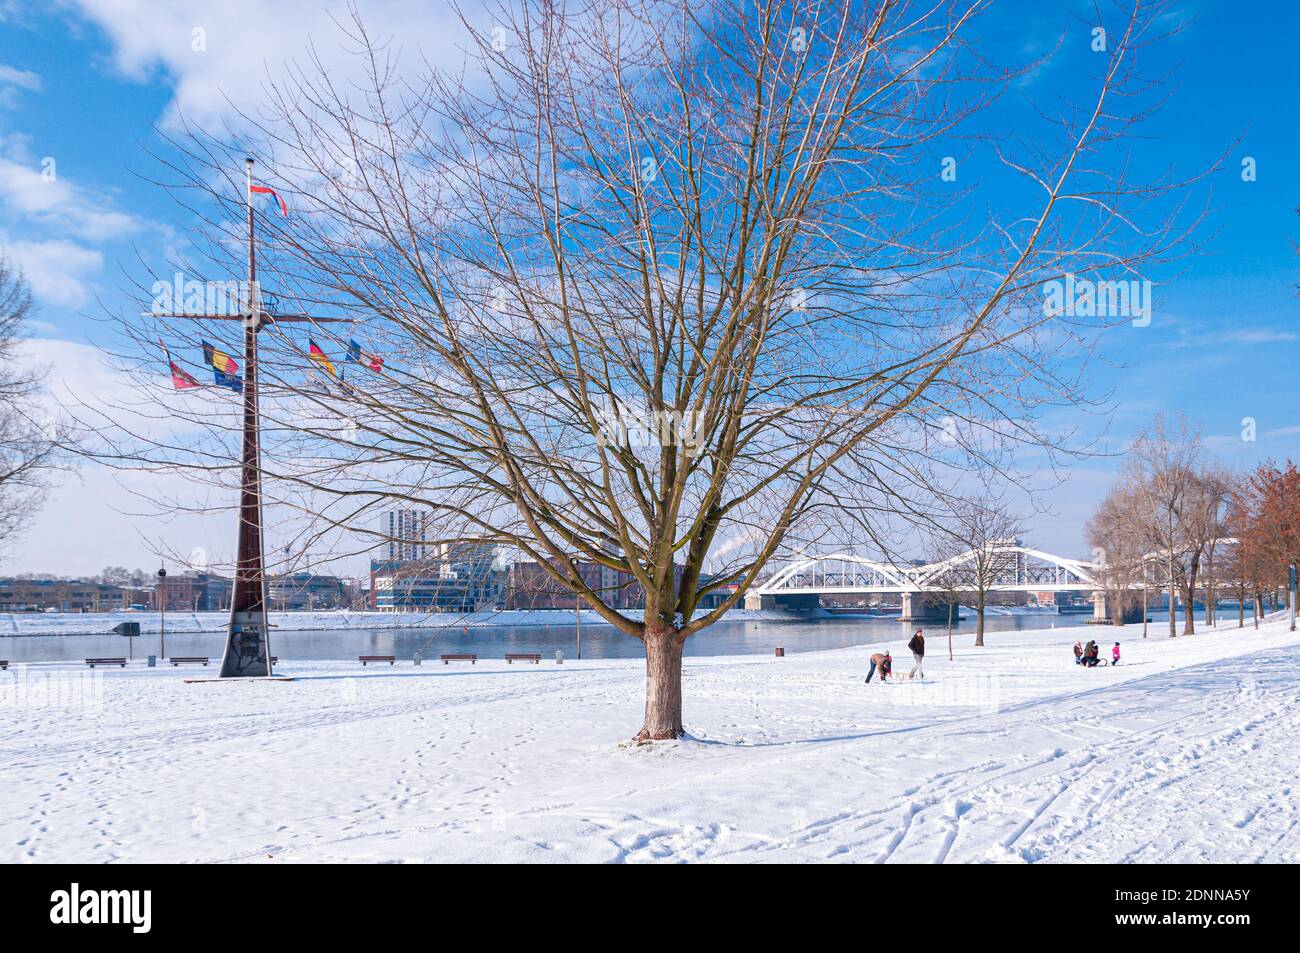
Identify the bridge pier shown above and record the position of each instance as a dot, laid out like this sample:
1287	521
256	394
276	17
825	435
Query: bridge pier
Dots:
1101	611
917	608
791	602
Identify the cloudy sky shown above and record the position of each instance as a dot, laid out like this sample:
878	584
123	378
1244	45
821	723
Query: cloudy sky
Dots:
87	90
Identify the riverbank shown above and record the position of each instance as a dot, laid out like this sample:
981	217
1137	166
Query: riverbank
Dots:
196	623
1185	752
70	623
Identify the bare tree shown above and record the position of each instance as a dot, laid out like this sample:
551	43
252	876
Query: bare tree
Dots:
1118	549
29	439
946	580
976	531
666	290
1163	471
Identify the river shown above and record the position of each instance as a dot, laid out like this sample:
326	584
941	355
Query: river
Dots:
724	638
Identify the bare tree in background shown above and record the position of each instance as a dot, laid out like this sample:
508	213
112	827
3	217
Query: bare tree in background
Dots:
1177	499
1118	549
975	528
664	288
948	580
29	439
1202	528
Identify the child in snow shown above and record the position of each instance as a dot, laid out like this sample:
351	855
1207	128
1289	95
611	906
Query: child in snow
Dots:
1114	655
1078	653
882	662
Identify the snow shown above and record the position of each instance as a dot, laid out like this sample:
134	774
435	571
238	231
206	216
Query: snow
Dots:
1185	752
99	623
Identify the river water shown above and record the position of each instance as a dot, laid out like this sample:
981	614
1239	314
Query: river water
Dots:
724	638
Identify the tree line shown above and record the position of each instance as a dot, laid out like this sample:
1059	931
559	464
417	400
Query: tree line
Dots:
1178	522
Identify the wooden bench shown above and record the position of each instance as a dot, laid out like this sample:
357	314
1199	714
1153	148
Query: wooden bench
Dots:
366	659
92	662
472	659
187	660
535	658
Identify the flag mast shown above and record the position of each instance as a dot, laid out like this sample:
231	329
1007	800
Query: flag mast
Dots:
248	640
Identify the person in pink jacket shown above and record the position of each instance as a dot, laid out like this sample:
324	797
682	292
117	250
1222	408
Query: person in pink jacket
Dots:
1114	655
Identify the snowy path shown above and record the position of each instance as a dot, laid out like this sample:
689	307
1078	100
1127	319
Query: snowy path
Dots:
1185	752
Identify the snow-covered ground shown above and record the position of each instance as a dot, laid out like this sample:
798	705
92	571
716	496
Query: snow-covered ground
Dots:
1185	752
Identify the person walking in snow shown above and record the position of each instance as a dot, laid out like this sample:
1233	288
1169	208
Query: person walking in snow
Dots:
882	662
1114	655
917	648
1078	653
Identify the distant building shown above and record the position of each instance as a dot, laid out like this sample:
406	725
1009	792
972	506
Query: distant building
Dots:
434	586
304	591
529	586
64	595
406	534
192	592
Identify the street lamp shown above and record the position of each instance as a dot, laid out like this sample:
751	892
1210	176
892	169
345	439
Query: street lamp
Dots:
162	613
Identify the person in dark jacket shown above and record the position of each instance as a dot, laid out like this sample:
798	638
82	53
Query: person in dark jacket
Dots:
1092	654
882	662
917	648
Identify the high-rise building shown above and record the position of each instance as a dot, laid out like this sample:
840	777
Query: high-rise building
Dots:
406	535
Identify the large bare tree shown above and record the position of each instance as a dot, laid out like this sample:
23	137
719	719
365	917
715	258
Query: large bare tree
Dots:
664	287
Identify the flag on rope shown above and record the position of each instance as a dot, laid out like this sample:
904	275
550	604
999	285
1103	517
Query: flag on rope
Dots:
219	360
229	381
319	357
267	190
358	356
181	378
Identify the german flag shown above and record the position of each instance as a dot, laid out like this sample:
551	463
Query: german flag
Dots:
319	357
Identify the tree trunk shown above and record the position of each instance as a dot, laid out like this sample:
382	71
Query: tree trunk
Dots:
1173	603
1189	605
979	620
663	685
950	631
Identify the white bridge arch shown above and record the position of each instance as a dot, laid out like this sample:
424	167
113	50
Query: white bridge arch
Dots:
1015	569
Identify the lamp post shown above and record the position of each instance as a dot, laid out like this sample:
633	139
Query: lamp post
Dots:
162	613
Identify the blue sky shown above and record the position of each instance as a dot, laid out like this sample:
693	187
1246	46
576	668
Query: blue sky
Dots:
89	85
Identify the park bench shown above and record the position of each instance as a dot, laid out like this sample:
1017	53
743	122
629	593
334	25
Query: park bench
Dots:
92	662
366	659
472	659
187	660
536	659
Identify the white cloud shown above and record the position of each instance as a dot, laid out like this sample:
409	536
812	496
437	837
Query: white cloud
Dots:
59	271
19	78
31	196
223	69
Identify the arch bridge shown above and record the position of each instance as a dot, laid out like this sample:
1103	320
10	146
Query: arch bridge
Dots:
1006	568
